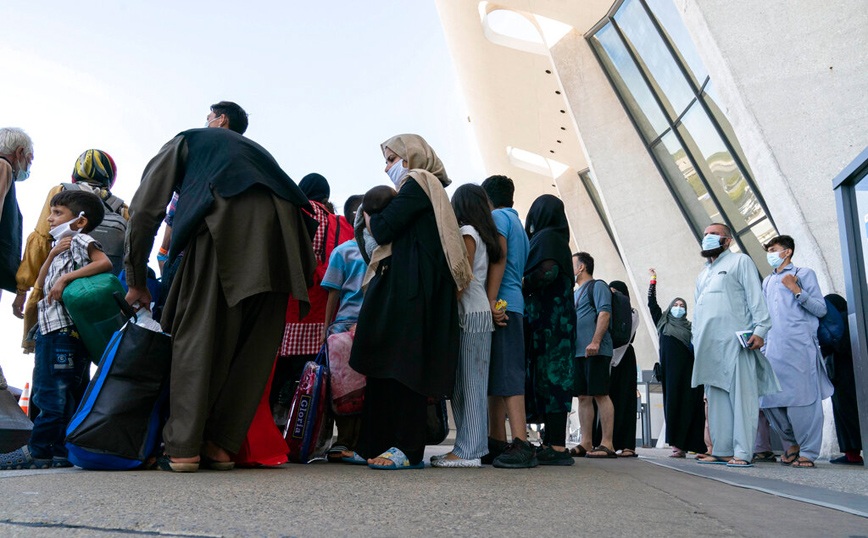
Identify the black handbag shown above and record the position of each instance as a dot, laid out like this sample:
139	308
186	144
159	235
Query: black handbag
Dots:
658	372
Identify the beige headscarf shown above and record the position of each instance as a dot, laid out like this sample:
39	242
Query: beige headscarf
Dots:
425	167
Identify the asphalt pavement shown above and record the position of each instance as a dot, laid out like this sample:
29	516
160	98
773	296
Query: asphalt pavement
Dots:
599	498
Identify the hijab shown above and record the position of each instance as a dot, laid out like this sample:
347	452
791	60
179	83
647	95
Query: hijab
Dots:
315	187
620	286
549	234
678	328
428	172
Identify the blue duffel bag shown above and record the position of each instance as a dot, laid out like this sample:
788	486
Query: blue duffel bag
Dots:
118	424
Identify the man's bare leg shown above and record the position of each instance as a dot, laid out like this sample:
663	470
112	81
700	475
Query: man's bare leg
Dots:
607	419
517	419
586	421
497	418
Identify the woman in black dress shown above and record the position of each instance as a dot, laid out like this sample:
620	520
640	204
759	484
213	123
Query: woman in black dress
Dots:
407	338
682	405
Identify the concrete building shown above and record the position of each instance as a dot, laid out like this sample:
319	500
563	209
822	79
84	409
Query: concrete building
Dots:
653	118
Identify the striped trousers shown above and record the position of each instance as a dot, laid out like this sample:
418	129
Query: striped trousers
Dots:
470	398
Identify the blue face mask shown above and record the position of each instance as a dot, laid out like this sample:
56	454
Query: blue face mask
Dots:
774	259
711	242
677	311
397	173
22	173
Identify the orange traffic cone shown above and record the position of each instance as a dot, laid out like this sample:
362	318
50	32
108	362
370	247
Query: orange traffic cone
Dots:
24	401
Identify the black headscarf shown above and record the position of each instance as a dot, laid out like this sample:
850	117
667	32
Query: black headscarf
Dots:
549	234
620	286
315	187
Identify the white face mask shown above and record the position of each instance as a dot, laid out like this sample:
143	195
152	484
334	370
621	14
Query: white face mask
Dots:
677	311
397	173
64	230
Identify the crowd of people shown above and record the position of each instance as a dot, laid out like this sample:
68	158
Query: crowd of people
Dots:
447	298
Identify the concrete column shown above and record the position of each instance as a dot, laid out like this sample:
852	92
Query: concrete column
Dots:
792	81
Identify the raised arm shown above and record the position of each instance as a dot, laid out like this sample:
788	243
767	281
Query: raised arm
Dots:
653	306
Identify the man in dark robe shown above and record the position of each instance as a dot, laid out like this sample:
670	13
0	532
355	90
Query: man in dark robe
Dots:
247	248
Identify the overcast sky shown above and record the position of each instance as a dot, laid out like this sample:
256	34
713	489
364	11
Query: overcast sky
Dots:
324	83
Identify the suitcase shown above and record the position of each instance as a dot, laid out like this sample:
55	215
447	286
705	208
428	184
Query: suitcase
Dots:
309	429
347	385
91	305
118	423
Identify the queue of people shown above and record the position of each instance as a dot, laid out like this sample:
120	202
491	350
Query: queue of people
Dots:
444	299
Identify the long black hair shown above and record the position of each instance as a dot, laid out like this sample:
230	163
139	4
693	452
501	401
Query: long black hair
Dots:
472	206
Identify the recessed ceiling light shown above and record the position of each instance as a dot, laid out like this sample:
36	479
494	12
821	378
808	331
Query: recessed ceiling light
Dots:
558	92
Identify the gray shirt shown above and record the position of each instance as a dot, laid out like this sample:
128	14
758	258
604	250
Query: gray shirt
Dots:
586	316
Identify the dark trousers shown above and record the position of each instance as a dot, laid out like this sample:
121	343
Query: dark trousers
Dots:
222	356
60	369
622	392
394	416
844	405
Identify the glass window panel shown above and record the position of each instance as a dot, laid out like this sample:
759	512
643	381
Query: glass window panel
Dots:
860	192
669	18
629	82
727	182
685	182
764	231
666	77
712	101
591	187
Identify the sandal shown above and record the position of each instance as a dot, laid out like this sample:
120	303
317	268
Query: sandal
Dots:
608	453
399	461
789	457
628	453
578	451
336	453
764	457
215	465
355	459
678	454
803	463
712	460
738	462
163	463
22	459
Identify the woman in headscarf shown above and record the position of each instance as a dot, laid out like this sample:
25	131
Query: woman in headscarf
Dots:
550	325
302	337
844	398
407	337
682	405
622	389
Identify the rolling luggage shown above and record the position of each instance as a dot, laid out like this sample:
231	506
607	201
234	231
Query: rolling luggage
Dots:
119	421
309	429
91	305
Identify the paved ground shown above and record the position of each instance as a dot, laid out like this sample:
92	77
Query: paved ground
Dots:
632	497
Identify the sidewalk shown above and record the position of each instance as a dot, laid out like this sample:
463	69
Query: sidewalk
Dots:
624	497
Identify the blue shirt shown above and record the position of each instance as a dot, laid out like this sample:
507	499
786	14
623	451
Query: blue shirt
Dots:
345	273
517	248
586	316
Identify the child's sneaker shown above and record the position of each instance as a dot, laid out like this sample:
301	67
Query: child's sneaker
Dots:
22	459
550	456
517	455
59	463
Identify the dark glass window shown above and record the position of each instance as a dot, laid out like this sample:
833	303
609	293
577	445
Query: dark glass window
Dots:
656	71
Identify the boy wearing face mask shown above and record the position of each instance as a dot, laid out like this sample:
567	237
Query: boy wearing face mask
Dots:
795	305
61	358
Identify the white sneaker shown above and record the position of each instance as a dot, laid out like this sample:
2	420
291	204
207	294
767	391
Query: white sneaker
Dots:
438	457
463	463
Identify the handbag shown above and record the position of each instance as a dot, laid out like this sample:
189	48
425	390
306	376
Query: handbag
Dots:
658	372
91	304
308	431
347	385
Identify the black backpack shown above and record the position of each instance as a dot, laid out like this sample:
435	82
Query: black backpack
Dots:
112	230
621	320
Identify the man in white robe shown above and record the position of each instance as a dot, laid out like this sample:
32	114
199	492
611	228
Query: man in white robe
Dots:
728	300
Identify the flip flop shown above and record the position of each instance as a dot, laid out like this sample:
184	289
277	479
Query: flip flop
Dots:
578	451
399	461
745	464
355	459
678	454
601	448
336	453
214	465
713	460
764	457
787	455
632	454
163	463
803	464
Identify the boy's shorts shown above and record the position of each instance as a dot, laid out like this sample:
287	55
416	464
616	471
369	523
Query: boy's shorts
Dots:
592	375
507	371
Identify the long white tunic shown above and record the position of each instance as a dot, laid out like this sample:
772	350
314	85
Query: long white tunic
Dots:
792	346
729	298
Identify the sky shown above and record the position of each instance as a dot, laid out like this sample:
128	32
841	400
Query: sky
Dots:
324	83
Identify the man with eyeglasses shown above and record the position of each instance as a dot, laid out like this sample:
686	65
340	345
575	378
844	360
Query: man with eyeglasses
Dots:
730	323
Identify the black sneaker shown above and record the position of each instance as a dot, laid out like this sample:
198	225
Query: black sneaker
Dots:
517	455
495	449
550	456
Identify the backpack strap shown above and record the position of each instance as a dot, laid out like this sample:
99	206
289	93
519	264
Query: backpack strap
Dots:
114	203
337	232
